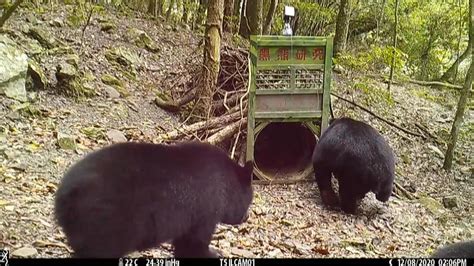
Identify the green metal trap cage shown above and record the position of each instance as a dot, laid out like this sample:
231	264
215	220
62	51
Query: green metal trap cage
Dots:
290	79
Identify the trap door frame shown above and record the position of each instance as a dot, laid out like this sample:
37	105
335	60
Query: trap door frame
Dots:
289	102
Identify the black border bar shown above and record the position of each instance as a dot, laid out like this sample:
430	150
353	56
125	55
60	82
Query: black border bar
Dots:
242	262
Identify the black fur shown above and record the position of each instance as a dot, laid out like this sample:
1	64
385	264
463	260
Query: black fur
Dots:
457	250
133	196
361	160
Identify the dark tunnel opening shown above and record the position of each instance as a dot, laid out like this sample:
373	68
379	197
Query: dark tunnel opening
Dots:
283	150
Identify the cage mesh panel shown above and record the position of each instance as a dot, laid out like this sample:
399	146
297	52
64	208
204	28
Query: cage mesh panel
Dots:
281	79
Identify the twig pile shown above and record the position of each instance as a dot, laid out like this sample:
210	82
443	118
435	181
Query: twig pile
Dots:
227	122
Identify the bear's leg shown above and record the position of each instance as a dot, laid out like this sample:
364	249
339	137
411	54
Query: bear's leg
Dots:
195	243
323	179
348	197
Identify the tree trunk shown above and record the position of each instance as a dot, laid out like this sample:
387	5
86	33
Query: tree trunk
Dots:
394	45
342	27
228	15
269	20
244	27
458	118
186	4
453	68
237	4
380	21
215	13
170	7
254	11
203	5
152	7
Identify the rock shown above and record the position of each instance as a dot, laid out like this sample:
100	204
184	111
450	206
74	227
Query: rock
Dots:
111	80
116	83
65	71
66	142
72	59
122	56
276	253
36	74
432	205
450	202
242	253
111	92
24	252
13	70
107	27
15	115
57	22
30	17
116	136
31	47
43	37
142	40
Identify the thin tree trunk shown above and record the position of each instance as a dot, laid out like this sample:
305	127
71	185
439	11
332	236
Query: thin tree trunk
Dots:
244	27
342	27
152	7
394	45
380	21
203	5
269	20
159	9
452	69
459	38
254	16
210	69
228	15
185	11
458	118
170	7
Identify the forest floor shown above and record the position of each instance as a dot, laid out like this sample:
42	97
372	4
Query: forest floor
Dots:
286	220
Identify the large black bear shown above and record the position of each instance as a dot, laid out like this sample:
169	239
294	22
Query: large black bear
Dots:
457	250
133	196
359	158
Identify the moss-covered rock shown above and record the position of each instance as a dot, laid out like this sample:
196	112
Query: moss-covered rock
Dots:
43	37
116	84
122	56
142	40
37	75
107	27
13	69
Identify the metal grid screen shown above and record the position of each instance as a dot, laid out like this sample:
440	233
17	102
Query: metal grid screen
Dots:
282	79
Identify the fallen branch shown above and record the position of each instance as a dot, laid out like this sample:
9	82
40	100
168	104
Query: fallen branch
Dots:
426	131
380	118
214	122
435	83
404	191
225	133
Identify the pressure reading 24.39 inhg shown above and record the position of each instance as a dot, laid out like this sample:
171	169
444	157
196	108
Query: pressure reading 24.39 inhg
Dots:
162	262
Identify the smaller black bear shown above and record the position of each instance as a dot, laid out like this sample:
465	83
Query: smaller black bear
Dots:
463	249
134	196
361	160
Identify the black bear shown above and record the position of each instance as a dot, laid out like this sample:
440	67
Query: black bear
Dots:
361	160
133	196
457	250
